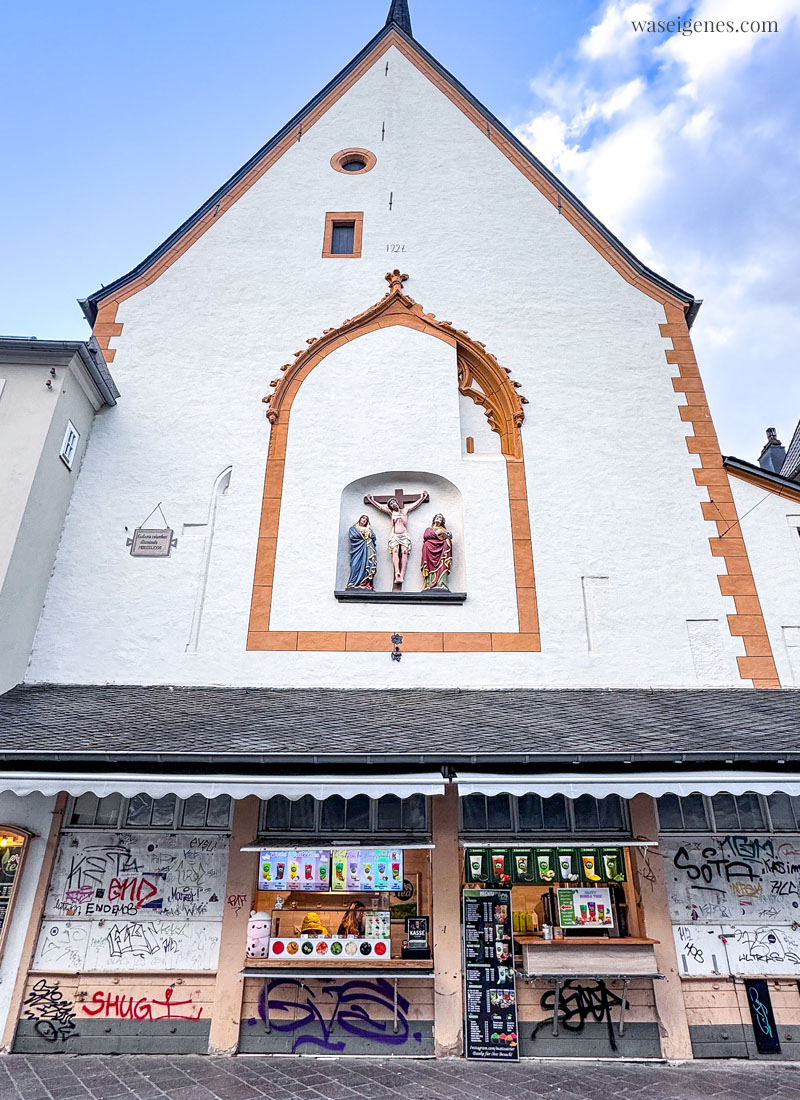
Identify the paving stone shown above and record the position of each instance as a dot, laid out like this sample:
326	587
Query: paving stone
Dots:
192	1077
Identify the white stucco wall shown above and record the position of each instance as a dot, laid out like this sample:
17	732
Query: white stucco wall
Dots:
770	525
610	482
32	813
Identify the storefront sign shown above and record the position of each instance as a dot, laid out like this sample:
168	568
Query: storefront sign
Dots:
585	907
294	870
367	869
490	995
417	933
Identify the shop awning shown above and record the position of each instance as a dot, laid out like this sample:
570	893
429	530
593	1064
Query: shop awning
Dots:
237	786
626	785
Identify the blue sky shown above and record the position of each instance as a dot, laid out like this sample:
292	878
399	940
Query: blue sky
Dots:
125	117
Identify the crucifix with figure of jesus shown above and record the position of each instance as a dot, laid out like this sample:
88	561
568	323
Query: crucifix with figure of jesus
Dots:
397	508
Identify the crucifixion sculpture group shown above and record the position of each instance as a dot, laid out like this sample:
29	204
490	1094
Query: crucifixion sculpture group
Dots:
437	544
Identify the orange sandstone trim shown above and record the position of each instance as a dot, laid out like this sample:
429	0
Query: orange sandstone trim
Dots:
344	218
505	413
338	161
748	622
761	483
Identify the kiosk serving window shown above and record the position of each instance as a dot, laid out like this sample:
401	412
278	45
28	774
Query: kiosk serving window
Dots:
342	883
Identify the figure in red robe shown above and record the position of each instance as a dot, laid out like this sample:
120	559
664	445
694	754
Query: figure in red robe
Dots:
437	553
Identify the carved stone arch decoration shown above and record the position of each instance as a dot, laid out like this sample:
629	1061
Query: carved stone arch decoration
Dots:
489	385
480	376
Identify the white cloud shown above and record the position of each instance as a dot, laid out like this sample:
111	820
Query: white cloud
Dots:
614	33
687	148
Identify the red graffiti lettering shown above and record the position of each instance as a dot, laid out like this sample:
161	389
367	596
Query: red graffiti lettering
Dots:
136	890
120	1007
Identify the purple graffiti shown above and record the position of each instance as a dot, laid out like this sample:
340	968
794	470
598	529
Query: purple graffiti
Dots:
351	1002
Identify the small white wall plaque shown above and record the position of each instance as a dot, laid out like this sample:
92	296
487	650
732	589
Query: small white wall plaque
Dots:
152	542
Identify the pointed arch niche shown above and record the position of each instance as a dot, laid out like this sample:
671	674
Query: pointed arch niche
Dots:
484	381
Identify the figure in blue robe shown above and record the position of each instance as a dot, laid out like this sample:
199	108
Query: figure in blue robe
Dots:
363	555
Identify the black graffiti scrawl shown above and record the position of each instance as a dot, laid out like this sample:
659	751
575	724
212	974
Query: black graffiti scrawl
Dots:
52	1013
578	1003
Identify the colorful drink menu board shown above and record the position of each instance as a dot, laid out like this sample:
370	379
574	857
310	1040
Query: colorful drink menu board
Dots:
490	992
357	869
585	907
294	870
366	869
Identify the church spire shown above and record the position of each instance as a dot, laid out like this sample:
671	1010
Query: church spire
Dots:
398	13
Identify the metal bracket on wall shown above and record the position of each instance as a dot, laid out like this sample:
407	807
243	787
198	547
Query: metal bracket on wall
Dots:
397	641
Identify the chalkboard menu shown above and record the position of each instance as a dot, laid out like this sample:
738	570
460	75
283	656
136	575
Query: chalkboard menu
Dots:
490	992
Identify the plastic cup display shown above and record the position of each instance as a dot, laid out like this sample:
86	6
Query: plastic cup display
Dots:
588	867
584	913
498	865
309	871
396	872
338	869
565	867
323	872
294	869
281	870
592	907
522	862
601	913
476	866
610	866
266	872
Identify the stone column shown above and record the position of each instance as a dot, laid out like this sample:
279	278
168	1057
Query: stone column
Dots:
448	984
656	924
226	1012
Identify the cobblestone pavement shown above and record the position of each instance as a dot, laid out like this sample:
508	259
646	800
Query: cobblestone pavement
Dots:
75	1077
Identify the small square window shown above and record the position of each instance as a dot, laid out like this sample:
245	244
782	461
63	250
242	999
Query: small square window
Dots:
343	235
69	445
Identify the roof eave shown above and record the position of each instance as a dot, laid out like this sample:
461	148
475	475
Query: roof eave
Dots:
771	480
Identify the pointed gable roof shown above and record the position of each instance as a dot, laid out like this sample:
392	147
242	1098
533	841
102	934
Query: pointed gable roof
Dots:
396	32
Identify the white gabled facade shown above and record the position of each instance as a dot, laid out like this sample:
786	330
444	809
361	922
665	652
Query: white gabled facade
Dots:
626	584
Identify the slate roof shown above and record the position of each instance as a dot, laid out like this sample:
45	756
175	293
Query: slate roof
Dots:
312	728
399	22
791	464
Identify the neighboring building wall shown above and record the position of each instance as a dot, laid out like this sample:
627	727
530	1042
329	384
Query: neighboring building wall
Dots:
486	251
35	490
770	524
33	813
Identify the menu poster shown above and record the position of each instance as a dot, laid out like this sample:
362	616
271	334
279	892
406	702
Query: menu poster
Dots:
490	993
585	907
294	870
368	869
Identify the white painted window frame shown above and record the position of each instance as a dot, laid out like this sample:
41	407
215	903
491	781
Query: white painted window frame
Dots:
69	445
